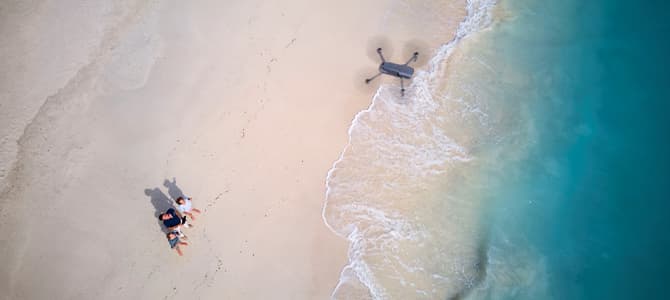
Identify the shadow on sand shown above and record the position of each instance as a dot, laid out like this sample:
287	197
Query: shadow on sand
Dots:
173	190
161	203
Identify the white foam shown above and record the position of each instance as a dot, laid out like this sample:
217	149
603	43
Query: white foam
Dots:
385	228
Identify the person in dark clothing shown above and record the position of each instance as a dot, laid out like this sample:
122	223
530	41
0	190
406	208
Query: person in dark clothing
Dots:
173	220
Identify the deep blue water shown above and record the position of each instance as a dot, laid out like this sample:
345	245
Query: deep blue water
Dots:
591	201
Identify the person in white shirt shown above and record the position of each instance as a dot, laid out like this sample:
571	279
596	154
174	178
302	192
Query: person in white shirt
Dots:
185	206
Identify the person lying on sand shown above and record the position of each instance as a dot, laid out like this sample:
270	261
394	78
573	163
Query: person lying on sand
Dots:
185	207
173	221
173	239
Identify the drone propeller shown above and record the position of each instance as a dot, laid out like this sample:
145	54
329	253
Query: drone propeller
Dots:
375	43
413	46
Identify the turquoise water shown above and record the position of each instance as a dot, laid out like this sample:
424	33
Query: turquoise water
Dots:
528	160
585	213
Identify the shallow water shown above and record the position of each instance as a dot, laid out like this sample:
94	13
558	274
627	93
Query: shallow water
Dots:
528	161
582	215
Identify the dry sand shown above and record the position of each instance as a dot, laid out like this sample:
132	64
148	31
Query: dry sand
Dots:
245	104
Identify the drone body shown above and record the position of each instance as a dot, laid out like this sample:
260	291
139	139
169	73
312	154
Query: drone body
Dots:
403	71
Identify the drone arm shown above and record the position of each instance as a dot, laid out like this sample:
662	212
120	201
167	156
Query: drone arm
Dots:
372	78
414	57
379	51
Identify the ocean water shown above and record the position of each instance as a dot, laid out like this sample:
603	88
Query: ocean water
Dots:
527	161
585	213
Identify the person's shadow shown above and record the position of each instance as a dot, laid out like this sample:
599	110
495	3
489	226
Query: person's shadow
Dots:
161	203
173	190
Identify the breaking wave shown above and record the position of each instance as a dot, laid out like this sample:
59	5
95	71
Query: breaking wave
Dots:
384	192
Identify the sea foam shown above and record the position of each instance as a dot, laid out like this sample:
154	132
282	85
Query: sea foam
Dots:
396	147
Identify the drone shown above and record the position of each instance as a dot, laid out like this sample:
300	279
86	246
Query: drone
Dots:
403	71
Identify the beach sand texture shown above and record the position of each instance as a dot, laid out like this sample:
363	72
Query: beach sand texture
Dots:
110	109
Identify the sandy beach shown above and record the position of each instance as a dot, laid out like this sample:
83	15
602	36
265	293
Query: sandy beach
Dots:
111	110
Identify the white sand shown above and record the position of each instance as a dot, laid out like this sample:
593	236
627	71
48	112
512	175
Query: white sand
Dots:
246	104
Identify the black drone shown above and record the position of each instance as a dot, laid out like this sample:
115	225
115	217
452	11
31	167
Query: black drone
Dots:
401	71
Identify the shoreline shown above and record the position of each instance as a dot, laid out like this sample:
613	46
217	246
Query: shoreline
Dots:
360	268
